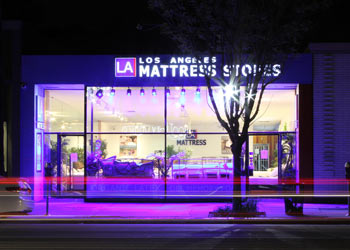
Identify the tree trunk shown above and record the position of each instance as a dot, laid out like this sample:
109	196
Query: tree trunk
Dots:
237	188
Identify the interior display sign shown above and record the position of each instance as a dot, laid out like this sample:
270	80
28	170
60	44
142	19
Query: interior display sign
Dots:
225	145
128	146
191	140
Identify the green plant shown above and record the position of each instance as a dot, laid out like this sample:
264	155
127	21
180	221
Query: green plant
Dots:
170	151
79	151
249	205
274	161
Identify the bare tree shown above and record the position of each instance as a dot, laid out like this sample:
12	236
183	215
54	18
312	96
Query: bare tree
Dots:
257	33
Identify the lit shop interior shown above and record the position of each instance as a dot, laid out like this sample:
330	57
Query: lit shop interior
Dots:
129	129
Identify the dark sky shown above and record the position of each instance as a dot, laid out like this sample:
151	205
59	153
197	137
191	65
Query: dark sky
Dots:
109	27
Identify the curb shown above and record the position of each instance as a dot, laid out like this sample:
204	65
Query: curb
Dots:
104	220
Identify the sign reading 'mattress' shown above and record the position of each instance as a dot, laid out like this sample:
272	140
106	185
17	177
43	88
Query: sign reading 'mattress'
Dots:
158	67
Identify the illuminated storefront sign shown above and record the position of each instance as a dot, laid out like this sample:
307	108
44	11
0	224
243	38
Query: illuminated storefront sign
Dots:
149	67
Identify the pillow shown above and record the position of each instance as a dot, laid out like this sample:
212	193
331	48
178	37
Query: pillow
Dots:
109	161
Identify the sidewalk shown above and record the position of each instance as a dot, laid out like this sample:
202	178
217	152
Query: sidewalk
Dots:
78	211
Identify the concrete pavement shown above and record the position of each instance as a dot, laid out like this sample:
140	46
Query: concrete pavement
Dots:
75	210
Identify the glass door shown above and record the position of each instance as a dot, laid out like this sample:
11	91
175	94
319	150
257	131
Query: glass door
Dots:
71	162
263	154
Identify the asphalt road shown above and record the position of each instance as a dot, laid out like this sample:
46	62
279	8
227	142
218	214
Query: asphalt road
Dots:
174	236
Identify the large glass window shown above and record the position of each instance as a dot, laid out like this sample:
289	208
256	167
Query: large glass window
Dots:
128	131
125	109
124	166
64	110
190	109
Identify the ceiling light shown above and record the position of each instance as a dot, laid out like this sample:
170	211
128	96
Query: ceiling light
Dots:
154	92
142	92
99	93
183	91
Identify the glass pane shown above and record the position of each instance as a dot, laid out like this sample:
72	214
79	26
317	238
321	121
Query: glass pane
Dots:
277	111
142	110
64	110
50	160
124	166
72	163
201	166
263	154
190	108
288	155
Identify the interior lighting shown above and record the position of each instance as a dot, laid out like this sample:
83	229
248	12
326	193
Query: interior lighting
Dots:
154	92
167	92
128	92
250	96
198	92
142	92
112	93
230	91
183	91
99	93
197	97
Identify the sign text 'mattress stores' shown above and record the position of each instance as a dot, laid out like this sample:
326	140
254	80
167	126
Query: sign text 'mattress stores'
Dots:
158	67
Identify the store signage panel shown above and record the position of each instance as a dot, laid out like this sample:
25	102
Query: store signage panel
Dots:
145	70
184	67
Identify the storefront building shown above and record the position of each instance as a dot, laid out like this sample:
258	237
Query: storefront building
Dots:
123	113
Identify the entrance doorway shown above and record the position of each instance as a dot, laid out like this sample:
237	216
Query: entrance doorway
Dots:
70	152
65	161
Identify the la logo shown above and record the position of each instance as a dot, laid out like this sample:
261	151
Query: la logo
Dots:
125	67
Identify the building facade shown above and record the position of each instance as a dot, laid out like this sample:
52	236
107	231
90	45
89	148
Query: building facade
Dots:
85	119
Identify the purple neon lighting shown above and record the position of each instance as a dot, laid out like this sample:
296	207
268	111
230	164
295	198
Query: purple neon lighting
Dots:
128	92
112	93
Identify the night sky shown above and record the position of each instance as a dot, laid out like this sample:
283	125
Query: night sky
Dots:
109	27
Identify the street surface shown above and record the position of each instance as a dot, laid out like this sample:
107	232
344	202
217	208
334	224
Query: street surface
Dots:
174	236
